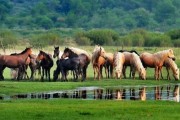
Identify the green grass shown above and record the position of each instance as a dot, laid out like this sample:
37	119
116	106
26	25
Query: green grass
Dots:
72	109
87	109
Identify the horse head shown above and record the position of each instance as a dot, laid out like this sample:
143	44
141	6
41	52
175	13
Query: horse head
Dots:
171	54
56	52
40	56
65	53
143	73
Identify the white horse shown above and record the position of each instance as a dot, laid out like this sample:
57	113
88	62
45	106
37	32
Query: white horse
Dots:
136	65
119	60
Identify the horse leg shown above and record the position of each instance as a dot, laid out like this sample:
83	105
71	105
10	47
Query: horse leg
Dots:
124	71
48	73
156	73
168	76
42	76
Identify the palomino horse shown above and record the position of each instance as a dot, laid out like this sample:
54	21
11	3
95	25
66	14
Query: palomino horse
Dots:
119	60
80	54
156	60
14	61
46	62
98	61
136	65
127	55
170	64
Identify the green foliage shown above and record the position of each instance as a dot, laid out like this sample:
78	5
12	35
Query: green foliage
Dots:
114	14
45	39
7	37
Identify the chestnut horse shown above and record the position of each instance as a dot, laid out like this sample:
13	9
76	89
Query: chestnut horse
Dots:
98	61
46	62
108	64
156	60
14	61
119	60
170	64
80	54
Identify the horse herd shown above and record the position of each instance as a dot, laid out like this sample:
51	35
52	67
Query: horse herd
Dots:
76	61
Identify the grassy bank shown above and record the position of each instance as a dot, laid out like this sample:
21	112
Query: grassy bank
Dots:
84	109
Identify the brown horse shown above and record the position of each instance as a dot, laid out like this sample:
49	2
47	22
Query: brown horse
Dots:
156	60
109	64
98	61
14	61
46	62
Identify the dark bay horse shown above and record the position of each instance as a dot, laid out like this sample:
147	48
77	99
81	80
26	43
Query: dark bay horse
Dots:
14	61
64	65
46	62
81	55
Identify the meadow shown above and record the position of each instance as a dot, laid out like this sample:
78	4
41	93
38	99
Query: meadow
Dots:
85	109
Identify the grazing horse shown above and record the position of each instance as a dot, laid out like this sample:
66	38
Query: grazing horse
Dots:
67	64
119	60
170	64
156	60
82	55
98	61
46	62
14	61
127	55
136	65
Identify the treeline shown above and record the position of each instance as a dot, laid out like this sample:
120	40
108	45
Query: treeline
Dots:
125	15
109	37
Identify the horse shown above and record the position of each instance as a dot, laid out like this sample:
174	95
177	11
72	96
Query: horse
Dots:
57	54
118	63
156	60
14	61
127	55
108	64
34	66
67	64
98	60
82	55
170	64
136	65
46	62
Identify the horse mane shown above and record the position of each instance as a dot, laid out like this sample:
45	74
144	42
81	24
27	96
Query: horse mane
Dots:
24	51
172	65
79	51
161	53
137	61
117	58
46	54
131	51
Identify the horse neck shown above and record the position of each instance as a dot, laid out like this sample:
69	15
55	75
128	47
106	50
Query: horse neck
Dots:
24	55
72	55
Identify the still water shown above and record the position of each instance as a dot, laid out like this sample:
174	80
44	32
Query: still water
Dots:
164	92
